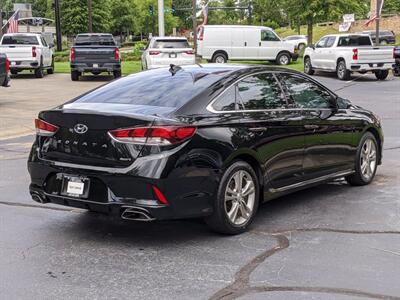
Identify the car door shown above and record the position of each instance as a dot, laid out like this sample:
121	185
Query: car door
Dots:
318	53
269	45
273	132
251	40
329	131
45	52
327	57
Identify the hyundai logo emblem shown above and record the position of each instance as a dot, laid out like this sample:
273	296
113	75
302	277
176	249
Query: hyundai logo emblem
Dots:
80	128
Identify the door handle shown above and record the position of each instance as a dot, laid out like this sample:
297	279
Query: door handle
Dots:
258	129
311	126
245	44
259	44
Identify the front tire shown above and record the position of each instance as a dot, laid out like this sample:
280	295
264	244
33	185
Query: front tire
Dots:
237	200
341	71
366	161
283	59
382	74
308	69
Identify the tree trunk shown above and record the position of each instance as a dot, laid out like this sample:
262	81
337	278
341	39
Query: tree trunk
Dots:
310	30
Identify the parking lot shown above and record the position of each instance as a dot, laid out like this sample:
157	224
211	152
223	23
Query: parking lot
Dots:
329	242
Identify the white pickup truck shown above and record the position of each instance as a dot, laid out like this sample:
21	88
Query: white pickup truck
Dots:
348	53
28	51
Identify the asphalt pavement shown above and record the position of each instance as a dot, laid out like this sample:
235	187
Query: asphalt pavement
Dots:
329	242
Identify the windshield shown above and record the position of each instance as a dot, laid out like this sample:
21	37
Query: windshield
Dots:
94	40
20	40
165	44
158	88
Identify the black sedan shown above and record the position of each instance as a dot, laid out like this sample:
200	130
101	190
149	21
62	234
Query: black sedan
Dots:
210	141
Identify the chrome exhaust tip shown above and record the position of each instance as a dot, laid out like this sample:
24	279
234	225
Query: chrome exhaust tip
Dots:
39	198
136	214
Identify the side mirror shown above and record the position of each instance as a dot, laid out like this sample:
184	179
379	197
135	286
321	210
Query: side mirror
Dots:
313	46
51	45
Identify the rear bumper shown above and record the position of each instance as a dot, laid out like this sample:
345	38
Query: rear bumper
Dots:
91	67
165	64
19	65
365	67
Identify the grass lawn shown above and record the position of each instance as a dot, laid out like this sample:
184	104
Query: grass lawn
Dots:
130	67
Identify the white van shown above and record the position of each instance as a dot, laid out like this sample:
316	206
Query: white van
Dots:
218	43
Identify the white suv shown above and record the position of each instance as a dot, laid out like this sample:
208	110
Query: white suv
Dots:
164	51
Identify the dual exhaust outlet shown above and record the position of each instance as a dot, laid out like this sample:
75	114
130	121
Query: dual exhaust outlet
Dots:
136	214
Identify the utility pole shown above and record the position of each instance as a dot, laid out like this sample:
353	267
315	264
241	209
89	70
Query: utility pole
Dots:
58	24
90	16
161	31
378	17
194	6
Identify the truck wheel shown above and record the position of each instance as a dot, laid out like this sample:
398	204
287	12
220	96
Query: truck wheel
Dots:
382	74
39	73
341	71
283	59
51	69
236	201
308	67
219	58
75	75
117	74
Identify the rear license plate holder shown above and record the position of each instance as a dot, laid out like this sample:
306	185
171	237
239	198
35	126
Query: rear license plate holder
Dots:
172	55
96	66
75	186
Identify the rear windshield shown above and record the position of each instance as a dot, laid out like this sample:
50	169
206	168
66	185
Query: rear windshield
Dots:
350	41
153	88
162	44
20	40
94	40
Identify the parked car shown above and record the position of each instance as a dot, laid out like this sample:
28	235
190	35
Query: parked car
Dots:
164	51
396	56
299	41
95	53
28	51
385	37
218	43
210	141
348	53
4	70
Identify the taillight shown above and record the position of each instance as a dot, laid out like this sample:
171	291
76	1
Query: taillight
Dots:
159	195
72	55
154	52
117	54
190	52
33	51
7	65
157	136
355	54
201	33
45	129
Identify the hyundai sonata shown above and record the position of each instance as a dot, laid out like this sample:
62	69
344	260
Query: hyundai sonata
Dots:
210	141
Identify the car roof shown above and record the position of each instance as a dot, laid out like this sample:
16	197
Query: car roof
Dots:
169	37
94	34
22	34
237	26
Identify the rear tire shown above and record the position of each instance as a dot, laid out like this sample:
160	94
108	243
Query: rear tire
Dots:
341	71
382	74
237	200
219	58
75	75
117	74
366	161
14	72
308	66
39	72
283	59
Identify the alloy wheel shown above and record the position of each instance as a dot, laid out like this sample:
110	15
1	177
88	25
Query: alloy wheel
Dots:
368	159
220	60
284	60
240	197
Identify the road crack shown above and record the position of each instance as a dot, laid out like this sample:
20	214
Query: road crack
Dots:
241	284
16	204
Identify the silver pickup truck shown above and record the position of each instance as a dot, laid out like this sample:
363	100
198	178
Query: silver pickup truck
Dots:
94	53
346	54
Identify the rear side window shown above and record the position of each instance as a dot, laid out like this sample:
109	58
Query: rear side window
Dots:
170	44
258	92
330	41
350	41
20	40
305	93
157	88
94	40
